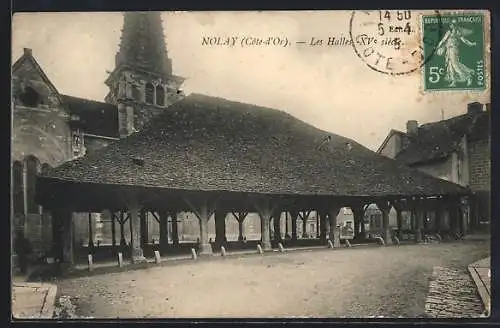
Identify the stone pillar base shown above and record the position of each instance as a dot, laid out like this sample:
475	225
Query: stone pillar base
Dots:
205	249
266	245
138	259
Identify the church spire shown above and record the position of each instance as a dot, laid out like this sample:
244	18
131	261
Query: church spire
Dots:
142	85
142	43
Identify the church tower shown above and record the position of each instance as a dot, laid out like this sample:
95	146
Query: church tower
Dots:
142	84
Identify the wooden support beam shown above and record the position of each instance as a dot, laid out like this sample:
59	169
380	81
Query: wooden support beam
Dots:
67	238
304	216
265	210
91	234
203	210
323	225
137	253
123	242
240	217
277	225
385	207
113	229
143	215
358	210
334	232
220	228
294	215
175	227
156	216
163	220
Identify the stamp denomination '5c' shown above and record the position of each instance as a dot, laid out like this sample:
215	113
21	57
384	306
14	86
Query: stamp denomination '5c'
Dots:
456	56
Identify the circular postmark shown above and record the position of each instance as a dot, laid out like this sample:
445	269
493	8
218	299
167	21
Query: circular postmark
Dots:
391	42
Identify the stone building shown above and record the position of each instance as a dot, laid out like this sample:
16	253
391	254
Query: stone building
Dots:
49	128
456	149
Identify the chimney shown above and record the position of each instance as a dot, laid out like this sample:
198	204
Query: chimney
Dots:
474	108
27	51
412	127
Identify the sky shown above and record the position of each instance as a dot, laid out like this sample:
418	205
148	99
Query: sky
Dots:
328	87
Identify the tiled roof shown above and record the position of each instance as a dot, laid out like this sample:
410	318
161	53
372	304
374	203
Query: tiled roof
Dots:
95	117
211	144
435	141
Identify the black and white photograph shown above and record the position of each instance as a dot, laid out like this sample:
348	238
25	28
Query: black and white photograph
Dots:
250	164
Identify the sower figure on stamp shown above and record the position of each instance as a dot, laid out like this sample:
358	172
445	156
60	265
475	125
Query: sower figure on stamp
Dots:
449	48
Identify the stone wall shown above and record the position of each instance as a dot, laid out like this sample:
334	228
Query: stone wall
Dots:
40	134
480	165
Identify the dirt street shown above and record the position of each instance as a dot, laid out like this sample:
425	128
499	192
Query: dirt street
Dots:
375	281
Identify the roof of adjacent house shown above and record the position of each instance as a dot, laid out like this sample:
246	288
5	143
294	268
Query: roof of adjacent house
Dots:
205	143
96	117
437	140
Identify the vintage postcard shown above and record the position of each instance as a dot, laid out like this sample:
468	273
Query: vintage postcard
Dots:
279	164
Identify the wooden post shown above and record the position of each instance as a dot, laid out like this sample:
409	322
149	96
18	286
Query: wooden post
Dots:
419	222
286	225
334	231
385	207
327	224
91	235
175	228
163	218
135	231
304	226
220	228
265	212
277	226
240	229
123	242
203	211
113	229
294	215
358	212
323	225
399	216
204	215
240	217
143	214
317	225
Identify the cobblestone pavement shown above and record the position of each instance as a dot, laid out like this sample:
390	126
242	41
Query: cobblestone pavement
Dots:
453	294
356	282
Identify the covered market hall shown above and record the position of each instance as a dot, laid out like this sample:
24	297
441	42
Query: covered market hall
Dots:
211	156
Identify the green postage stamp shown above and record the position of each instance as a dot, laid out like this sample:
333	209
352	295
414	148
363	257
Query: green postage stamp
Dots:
454	48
